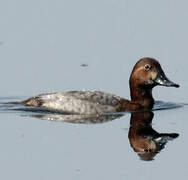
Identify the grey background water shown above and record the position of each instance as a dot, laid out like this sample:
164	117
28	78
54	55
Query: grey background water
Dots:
44	44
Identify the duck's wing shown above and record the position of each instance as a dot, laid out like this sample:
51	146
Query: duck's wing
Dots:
98	97
77	102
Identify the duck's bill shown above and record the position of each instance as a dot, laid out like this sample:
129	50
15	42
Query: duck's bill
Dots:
162	80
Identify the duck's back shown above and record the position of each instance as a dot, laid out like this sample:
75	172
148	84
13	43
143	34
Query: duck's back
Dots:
76	102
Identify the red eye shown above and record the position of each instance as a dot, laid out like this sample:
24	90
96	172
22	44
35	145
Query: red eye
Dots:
147	67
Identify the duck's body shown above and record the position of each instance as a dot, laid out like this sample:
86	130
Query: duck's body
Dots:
146	74
76	102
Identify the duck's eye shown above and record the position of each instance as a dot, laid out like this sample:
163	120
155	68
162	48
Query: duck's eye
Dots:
147	67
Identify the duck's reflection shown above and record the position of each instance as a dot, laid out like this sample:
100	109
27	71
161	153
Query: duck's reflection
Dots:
145	141
83	119
43	114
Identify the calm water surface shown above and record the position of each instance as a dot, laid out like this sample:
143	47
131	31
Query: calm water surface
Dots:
40	145
50	46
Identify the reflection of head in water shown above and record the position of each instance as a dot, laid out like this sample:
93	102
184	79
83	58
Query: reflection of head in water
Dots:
144	139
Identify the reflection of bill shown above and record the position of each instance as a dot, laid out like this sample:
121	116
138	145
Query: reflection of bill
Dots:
144	139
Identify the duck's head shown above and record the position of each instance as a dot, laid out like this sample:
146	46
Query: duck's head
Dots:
147	73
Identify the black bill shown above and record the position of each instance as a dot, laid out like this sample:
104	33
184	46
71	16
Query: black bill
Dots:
162	80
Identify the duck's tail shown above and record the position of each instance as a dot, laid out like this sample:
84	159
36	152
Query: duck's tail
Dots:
33	101
16	102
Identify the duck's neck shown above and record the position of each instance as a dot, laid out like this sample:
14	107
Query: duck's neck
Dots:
142	96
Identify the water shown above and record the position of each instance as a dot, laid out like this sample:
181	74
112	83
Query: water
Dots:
93	45
83	146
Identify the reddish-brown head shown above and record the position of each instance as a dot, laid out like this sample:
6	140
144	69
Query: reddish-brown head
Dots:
147	72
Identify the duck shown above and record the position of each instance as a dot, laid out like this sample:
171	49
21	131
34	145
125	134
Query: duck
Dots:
147	73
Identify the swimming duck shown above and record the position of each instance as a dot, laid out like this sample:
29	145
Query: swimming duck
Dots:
146	74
